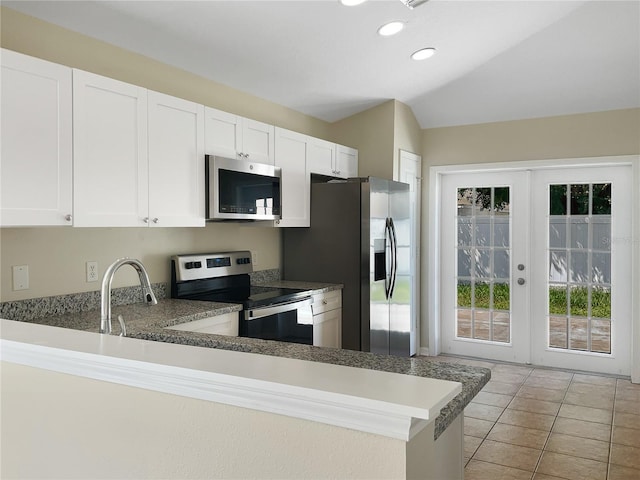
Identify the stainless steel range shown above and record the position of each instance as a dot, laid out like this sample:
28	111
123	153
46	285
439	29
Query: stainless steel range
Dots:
270	313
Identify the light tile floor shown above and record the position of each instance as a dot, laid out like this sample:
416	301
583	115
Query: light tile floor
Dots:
543	424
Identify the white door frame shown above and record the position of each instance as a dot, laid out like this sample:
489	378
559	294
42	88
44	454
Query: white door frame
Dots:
434	247
410	171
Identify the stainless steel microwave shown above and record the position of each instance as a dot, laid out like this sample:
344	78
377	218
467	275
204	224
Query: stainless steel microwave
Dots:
241	190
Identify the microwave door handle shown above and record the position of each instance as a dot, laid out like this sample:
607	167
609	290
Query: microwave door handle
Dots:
276	309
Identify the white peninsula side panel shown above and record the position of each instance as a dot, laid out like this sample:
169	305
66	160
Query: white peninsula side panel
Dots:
165	410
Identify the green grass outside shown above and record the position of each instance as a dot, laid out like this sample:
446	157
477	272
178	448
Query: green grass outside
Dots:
600	299
501	296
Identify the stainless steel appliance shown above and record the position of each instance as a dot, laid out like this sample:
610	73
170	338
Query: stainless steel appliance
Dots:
270	313
360	237
241	190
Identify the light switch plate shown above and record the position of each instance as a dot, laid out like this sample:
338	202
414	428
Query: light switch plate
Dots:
20	277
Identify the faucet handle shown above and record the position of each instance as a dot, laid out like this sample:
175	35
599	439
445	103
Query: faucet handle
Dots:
123	327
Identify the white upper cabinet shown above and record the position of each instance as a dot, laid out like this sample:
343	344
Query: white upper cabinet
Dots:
111	181
291	157
322	157
346	162
176	162
223	133
232	136
330	159
138	156
258	141
36	153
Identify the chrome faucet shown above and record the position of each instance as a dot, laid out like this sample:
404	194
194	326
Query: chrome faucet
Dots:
105	296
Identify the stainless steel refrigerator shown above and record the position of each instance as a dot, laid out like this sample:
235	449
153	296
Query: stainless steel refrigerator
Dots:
360	237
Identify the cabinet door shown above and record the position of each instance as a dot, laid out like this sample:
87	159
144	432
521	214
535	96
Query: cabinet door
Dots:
327	329
322	157
36	154
176	162
291	157
257	141
223	133
346	162
111	187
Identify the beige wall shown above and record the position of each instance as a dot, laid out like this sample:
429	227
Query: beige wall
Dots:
61	426
571	136
371	132
407	134
597	134
56	256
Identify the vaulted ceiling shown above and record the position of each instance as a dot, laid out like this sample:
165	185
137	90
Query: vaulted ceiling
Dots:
494	61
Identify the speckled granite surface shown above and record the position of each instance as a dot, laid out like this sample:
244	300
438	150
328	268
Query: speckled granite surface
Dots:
313	287
33	308
148	323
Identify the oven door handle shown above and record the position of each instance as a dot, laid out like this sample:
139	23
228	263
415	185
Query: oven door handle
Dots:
275	309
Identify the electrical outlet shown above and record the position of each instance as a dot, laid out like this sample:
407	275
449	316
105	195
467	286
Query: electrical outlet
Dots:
21	277
254	257
92	271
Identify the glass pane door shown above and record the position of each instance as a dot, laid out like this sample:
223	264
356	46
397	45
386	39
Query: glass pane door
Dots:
483	264
581	298
579	307
484	241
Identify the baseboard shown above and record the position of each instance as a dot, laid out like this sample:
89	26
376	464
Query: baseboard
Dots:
424	351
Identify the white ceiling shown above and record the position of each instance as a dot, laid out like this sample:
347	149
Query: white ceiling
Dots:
495	61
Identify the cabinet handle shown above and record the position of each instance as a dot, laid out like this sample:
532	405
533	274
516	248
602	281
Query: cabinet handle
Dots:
68	217
324	301
145	219
155	220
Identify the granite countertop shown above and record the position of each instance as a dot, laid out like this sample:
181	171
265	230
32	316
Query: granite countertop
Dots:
150	322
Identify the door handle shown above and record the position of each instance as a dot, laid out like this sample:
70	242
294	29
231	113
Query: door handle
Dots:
394	248
388	274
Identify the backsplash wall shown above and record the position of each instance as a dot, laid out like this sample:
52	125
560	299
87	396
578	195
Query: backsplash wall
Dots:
56	256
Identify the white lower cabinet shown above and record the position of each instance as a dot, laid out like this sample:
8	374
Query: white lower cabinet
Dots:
291	157
226	324
36	142
327	319
138	156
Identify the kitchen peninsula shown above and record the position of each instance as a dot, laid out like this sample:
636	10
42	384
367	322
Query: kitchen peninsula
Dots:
289	410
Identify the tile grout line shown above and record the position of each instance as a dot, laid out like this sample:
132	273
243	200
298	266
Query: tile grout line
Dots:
571	381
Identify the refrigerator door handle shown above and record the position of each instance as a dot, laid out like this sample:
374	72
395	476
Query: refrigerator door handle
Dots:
388	273
394	248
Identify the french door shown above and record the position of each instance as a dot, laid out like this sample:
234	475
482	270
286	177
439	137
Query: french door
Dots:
534	266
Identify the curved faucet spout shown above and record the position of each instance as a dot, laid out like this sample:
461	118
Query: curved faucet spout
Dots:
105	295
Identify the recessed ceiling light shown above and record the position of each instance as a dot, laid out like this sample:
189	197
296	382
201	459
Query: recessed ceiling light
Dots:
391	28
351	3
423	53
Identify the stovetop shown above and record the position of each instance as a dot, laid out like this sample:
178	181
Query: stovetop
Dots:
224	277
253	296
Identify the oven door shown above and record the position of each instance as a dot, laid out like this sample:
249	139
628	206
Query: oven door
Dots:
288	322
